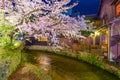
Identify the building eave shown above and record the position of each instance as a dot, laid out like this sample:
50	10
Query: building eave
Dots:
116	20
114	2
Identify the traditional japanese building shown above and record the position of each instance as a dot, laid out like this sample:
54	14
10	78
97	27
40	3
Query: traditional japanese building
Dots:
109	14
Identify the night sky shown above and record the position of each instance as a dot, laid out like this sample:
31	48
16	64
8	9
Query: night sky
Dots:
86	7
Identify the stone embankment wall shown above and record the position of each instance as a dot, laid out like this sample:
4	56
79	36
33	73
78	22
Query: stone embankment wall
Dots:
9	64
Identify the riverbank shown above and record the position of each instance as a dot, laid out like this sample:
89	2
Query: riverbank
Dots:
56	67
9	61
28	70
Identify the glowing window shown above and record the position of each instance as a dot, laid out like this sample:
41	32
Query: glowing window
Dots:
118	9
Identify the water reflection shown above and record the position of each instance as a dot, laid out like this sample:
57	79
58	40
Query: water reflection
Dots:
44	62
61	68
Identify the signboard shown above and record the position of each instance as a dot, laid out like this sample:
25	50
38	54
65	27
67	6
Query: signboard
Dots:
42	38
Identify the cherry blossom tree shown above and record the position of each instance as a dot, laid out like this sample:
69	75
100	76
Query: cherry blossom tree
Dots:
45	18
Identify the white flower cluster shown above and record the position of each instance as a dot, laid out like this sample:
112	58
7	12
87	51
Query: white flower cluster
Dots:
38	17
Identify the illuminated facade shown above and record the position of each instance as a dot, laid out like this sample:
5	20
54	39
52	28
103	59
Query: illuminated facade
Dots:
109	13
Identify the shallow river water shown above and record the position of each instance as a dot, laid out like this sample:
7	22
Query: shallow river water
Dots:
63	68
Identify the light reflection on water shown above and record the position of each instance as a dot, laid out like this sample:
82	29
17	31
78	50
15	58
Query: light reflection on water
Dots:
44	63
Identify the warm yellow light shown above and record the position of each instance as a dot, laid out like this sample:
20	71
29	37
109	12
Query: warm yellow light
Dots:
107	32
97	33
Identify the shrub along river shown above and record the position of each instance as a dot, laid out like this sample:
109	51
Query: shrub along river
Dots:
63	68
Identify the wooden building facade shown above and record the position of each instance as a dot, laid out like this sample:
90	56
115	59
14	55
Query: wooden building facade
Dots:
109	13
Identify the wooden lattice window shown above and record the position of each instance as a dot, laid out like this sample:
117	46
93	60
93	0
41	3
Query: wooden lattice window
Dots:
118	9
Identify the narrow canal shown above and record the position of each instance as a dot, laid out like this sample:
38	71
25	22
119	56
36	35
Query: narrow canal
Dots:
62	68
